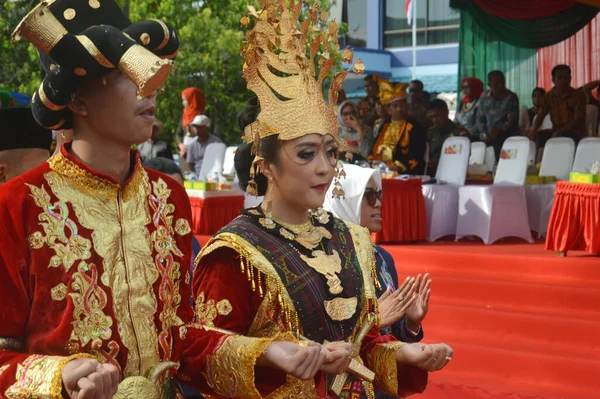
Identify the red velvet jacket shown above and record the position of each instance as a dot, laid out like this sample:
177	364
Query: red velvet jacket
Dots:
90	268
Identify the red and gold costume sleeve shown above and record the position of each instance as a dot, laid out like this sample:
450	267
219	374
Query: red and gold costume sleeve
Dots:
22	375
225	301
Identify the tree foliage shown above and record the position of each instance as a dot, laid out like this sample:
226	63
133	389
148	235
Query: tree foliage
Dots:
210	36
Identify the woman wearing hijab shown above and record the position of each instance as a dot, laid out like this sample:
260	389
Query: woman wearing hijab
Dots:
404	308
466	114
194	104
358	135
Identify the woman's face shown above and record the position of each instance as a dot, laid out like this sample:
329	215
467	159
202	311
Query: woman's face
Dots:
537	98
184	101
466	89
370	216
304	171
348	112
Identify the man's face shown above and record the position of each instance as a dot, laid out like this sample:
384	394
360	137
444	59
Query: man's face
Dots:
562	79
416	92
398	110
537	98
371	88
114	111
438	117
495	81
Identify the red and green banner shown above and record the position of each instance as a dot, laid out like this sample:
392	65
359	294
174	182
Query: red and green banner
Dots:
526	38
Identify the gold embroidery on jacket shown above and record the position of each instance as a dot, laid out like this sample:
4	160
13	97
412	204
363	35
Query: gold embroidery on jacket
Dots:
3	369
207	312
59	292
182	227
89	300
37	376
118	219
166	249
61	233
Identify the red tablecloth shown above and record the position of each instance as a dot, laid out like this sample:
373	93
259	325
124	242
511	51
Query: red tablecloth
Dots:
403	211
575	218
211	214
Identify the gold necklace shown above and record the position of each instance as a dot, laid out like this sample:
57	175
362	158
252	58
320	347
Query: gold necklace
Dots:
297	228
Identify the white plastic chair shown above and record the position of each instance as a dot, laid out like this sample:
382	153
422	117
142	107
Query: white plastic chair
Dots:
228	162
490	158
588	152
441	200
557	161
500	210
477	153
591	117
214	156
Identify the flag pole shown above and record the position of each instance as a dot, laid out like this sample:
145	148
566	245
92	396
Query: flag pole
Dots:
414	38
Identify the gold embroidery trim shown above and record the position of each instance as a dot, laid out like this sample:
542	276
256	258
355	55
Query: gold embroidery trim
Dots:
90	324
59	292
207	311
47	102
382	360
182	227
94	52
41	28
95	185
3	369
68	248
230	371
40	376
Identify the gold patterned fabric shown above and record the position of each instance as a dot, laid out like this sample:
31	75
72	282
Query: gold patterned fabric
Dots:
382	360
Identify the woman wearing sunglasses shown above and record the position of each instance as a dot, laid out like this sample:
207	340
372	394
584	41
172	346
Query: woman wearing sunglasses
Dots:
403	307
466	114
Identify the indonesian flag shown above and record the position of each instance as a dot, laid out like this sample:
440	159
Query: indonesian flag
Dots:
409	11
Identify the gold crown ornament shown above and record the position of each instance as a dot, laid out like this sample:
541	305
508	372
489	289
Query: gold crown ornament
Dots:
389	92
286	64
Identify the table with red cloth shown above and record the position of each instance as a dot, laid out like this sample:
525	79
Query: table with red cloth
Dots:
575	218
212	210
402	211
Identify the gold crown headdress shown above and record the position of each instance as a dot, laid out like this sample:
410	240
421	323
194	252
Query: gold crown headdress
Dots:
285	70
389	92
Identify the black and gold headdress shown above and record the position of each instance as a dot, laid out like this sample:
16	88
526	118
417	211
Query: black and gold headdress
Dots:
78	39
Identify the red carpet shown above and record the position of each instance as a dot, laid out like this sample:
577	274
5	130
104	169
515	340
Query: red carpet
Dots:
523	322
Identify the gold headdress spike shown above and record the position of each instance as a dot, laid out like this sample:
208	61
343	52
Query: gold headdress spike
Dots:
285	63
389	92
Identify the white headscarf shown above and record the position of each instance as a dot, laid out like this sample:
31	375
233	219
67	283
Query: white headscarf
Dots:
354	186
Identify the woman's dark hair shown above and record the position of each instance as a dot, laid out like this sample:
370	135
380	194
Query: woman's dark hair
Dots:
538	90
243	159
269	147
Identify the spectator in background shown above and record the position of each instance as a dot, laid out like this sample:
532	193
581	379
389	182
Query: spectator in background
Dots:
498	116
24	144
401	142
418	102
194	104
537	97
199	127
567	107
155	147
442	128
358	135
383	117
466	114
372	98
588	89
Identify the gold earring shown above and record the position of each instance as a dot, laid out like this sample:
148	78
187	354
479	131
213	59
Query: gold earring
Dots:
104	81
62	136
338	191
267	221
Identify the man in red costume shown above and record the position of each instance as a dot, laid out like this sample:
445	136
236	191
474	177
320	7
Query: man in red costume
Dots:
95	251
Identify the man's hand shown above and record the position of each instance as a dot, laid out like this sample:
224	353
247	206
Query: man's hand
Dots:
301	362
418	310
393	305
426	357
337	358
88	379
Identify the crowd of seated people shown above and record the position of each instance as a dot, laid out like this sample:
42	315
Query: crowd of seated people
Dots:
394	126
